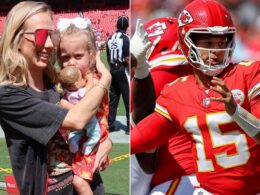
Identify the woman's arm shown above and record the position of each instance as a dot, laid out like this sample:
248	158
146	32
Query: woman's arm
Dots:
81	113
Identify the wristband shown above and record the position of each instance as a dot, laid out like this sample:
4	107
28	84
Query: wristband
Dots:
141	72
248	122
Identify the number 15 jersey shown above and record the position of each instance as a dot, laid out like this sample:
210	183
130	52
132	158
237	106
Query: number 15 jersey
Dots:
227	161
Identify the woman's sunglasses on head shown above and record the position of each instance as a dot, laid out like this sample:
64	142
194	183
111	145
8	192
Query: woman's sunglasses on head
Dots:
41	35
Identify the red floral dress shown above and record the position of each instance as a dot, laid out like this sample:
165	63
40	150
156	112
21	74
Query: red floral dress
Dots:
82	165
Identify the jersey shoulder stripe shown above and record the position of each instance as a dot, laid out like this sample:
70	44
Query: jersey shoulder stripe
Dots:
255	91
162	111
168	61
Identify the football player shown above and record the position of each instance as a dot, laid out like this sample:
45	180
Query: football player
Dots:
218	106
166	63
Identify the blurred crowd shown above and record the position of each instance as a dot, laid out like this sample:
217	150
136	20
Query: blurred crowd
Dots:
245	14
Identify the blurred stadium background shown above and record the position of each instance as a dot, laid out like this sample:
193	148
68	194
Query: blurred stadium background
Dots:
245	14
103	15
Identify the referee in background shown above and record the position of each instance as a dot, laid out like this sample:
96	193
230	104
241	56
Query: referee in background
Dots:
118	59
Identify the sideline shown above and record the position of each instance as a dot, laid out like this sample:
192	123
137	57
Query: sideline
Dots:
9	170
113	160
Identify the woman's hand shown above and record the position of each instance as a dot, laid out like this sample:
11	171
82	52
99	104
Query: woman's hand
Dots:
105	76
226	95
101	155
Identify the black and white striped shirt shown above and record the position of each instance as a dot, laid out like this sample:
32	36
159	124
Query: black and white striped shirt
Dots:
118	47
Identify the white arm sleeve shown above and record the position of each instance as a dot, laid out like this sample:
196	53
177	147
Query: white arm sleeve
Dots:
140	181
248	122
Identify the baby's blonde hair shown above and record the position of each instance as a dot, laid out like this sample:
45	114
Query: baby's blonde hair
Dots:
13	65
90	42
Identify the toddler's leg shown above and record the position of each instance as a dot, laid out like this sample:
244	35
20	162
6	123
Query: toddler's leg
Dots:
81	186
93	132
74	138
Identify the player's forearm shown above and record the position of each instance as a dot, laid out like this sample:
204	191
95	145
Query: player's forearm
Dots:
143	97
150	133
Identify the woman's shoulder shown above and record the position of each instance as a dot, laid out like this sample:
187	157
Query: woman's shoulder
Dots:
11	93
5	89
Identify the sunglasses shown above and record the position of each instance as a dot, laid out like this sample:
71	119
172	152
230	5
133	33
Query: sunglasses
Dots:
41	35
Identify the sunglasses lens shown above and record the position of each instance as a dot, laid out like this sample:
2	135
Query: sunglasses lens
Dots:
41	37
55	37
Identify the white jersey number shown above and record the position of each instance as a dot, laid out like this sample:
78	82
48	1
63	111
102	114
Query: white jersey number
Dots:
218	139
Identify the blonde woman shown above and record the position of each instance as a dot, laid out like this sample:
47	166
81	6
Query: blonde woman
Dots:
29	111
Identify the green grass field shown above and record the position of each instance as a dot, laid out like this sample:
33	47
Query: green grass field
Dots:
115	177
4	164
4	160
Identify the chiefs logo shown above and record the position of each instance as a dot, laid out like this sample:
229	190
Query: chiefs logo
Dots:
184	18
156	29
238	96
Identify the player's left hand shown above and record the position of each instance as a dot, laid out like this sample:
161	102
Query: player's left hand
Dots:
139	44
219	86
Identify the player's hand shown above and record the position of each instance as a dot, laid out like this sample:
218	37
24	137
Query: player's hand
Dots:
139	44
227	98
101	155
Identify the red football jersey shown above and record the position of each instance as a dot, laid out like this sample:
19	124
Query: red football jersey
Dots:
166	67
227	160
174	157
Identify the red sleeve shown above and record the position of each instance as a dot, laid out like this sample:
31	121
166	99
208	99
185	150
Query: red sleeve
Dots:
255	106
162	77
151	132
252	76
